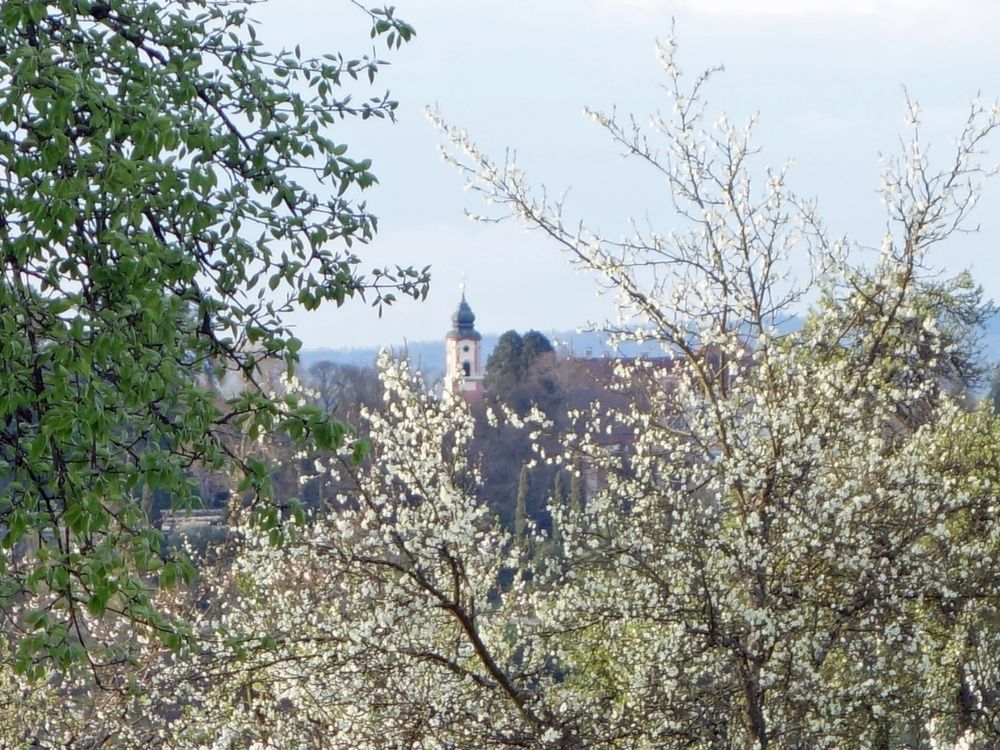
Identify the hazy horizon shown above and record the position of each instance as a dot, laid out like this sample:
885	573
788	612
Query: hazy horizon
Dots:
825	77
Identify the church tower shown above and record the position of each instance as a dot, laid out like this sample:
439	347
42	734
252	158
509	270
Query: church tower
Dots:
463	369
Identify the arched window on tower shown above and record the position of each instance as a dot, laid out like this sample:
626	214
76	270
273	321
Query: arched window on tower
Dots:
467	368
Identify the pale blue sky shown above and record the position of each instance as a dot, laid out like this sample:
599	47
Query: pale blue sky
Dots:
826	77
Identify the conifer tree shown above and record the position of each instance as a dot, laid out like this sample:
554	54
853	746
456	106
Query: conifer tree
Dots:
521	511
558	500
576	494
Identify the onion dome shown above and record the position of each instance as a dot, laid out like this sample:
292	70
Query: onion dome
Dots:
463	322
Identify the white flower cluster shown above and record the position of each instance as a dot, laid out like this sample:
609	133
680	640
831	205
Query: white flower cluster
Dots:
788	539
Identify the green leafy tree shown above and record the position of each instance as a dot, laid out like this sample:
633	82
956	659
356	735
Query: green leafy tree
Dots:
169	188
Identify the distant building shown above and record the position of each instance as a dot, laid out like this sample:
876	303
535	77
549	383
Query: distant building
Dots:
463	365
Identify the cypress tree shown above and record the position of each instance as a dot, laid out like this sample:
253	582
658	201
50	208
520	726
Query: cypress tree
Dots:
558	500
520	511
576	494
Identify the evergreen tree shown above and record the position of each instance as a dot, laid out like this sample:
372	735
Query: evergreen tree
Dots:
533	346
520	512
576	494
504	366
558	501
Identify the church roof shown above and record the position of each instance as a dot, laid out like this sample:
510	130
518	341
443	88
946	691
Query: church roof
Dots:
463	322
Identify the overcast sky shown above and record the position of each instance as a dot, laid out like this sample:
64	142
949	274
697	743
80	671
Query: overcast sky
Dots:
825	76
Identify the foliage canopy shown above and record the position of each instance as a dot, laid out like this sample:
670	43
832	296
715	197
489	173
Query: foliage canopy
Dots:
168	188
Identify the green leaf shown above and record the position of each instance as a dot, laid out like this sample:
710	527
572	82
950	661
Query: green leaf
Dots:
151	169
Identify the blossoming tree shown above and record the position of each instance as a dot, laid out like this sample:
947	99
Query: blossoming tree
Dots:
792	547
